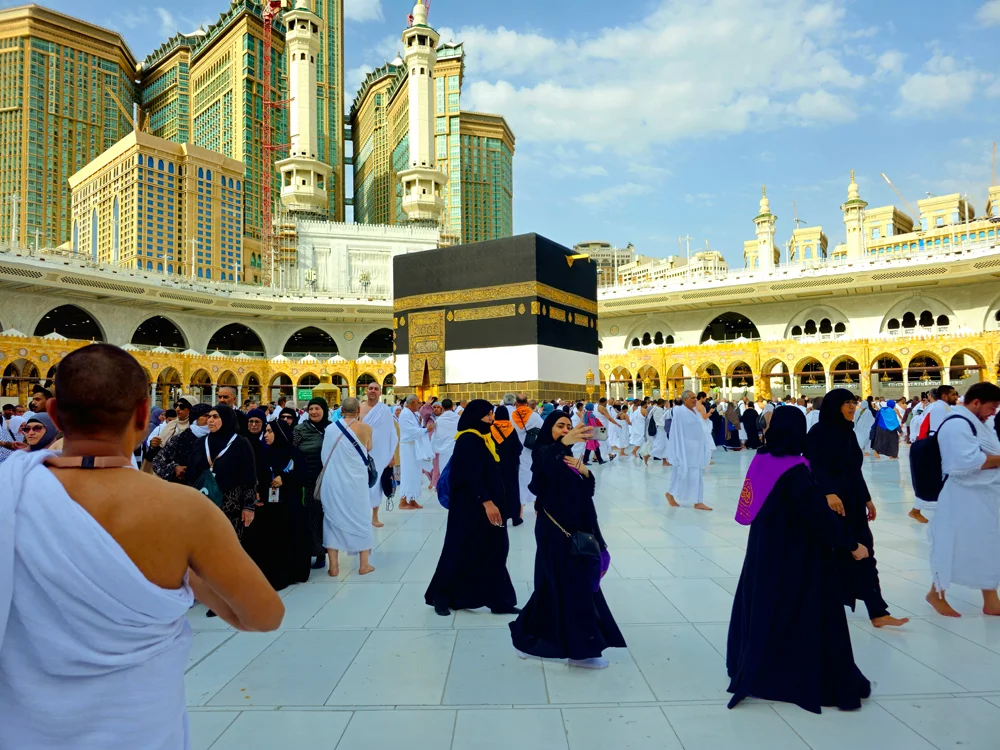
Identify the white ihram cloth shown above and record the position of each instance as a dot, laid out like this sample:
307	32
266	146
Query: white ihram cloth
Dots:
965	531
347	517
689	454
443	440
706	430
578	448
534	422
637	430
614	429
936	413
863	421
659	416
413	449
916	421
92	655
812	419
384	442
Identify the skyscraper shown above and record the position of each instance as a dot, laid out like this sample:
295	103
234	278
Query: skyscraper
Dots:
59	78
330	99
217	75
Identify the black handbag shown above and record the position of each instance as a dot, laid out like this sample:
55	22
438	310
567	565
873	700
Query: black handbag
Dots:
581	543
373	475
530	437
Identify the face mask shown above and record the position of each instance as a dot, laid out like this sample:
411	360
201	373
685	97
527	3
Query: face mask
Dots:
199	430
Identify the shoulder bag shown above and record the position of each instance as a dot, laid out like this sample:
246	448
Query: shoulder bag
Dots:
581	543
368	460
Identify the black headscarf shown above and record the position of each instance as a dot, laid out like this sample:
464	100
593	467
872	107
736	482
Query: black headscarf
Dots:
289	412
262	416
236	467
545	439
325	421
50	434
279	453
829	412
197	412
472	417
787	434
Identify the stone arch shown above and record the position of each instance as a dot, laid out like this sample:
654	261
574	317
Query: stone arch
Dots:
201	385
651	328
885	368
364	378
252	386
237	338
775	378
811	374
648	381
960	370
729	326
740	370
710	375
156	331
228	377
377	343
925	366
306	380
822	317
311	340
915	305
845	370
169	386
74	321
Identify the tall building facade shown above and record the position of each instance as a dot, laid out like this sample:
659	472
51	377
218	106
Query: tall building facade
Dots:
475	152
217	75
331	100
59	78
155	205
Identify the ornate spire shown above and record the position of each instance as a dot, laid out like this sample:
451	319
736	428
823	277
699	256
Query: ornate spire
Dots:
852	189
765	204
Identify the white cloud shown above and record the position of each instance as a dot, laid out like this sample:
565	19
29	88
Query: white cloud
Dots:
686	70
889	63
611	195
989	13
943	84
168	24
363	10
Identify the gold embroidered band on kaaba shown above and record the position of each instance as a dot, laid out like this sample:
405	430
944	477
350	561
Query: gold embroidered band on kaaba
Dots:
495	293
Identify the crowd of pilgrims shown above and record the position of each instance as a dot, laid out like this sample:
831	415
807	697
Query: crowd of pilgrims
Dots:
810	548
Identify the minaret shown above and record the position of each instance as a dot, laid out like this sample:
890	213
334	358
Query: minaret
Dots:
423	181
765	221
854	220
303	176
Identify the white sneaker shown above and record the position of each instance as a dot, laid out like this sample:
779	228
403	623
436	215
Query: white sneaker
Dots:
521	654
596	663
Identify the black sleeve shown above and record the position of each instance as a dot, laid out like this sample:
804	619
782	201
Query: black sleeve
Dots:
819	463
809	504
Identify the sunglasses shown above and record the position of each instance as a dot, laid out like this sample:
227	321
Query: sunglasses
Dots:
33	428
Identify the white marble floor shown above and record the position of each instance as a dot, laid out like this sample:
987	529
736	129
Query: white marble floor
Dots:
363	663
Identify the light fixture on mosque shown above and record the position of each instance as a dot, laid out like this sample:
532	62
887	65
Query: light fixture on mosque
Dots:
885	377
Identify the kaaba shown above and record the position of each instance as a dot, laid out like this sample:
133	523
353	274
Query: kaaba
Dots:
515	315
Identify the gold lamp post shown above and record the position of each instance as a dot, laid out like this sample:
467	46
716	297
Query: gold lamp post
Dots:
590	385
328	391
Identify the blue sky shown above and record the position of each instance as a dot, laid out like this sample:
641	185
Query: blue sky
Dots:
644	120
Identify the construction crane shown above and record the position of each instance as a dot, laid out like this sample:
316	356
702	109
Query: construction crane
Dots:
268	247
915	215
795	213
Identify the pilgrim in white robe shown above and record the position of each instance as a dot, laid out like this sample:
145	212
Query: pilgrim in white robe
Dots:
413	449
659	416
689	455
916	420
812	419
347	516
706	431
863	421
443	440
535	422
577	448
615	427
384	442
965	531
92	654
637	430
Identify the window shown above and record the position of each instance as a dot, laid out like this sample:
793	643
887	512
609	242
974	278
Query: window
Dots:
876	233
939	221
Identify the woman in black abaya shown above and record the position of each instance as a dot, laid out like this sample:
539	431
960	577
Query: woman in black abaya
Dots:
231	460
566	616
788	635
836	458
749	420
509	449
472	569
308	438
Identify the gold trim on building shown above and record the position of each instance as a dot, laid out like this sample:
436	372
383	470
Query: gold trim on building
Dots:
483	313
493	293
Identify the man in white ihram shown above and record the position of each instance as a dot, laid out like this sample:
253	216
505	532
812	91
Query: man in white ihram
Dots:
378	416
965	530
414	449
445	429
525	418
689	454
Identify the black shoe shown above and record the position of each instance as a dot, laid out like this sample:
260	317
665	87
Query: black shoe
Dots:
210	613
518	521
442	609
320	563
587	463
506	611
601	463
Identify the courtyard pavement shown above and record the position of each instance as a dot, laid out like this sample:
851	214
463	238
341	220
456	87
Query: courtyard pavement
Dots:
363	663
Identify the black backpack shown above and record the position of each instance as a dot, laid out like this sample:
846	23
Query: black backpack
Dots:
925	463
651	427
530	436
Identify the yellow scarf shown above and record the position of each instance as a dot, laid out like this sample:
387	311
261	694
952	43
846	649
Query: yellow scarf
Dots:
488	439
